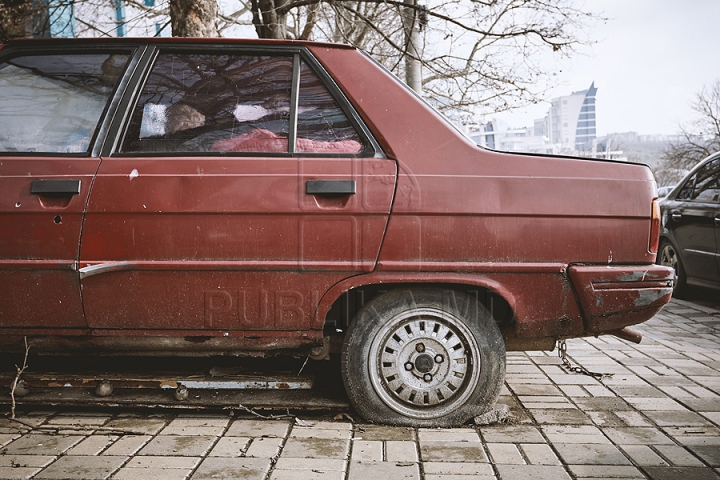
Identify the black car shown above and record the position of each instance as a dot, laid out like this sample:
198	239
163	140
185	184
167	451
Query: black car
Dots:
690	233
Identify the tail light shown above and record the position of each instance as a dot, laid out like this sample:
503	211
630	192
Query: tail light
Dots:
655	227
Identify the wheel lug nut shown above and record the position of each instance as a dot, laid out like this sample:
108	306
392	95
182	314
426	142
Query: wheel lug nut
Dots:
439	359
409	366
427	377
420	347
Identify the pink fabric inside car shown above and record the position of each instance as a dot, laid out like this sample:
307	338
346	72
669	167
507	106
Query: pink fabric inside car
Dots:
261	140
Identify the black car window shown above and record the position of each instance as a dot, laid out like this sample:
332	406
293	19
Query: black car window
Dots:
707	183
213	103
686	190
205	103
53	103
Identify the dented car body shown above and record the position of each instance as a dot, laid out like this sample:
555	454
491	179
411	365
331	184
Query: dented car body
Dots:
225	197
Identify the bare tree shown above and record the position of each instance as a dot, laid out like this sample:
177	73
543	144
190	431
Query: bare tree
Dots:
194	18
468	57
700	139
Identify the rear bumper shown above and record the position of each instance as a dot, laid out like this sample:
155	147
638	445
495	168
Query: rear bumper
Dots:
613	297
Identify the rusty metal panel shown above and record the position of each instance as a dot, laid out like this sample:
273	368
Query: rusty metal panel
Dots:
613	297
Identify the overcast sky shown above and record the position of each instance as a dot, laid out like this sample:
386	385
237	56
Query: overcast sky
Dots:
650	59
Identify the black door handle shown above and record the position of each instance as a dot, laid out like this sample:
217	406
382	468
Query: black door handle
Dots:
330	188
55	188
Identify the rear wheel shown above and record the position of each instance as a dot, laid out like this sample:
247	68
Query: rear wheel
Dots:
669	257
423	357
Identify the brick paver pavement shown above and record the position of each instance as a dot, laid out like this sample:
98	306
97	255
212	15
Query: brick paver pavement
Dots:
657	416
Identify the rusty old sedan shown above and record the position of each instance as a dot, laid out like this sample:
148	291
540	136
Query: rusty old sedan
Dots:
167	197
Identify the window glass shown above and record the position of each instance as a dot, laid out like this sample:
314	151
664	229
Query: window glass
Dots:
322	127
686	191
53	103
213	103
707	185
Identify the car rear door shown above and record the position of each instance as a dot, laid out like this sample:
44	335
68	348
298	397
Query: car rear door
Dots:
242	190
51	107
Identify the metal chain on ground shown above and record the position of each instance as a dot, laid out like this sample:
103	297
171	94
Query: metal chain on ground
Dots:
562	353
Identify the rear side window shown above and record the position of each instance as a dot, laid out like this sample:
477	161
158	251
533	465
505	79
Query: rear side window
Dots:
53	103
224	103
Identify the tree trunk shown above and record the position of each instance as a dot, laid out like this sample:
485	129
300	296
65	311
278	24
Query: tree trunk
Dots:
194	18
413	67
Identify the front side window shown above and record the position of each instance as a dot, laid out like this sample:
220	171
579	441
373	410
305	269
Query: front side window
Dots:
226	103
707	185
53	103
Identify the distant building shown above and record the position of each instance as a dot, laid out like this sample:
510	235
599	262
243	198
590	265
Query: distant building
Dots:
572	120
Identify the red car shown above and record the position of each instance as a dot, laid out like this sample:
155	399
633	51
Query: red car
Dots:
223	197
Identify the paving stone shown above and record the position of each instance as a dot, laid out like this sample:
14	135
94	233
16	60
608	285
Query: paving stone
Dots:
13	473
127	445
535	472
178	445
126	473
230	447
311	432
163	462
678	456
399	451
318	474
40	444
452	452
670	419
611	404
605	471
637	436
327	464
17	461
681	473
232	468
709	453
258	428
92	445
703	404
381	432
136	425
539	454
195	427
535	390
643	455
315	448
367	451
633	419
694	435
512	434
560	416
574	434
264	447
80	420
505	453
457	468
391	470
590	454
82	468
661	404
448	435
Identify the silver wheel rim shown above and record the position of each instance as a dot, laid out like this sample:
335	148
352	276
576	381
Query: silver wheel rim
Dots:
668	258
424	363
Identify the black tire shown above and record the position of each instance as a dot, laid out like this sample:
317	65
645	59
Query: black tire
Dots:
423	357
669	257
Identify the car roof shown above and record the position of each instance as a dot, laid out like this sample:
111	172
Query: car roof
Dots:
170	41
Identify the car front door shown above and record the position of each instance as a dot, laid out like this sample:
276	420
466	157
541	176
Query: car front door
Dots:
240	193
693	219
51	106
